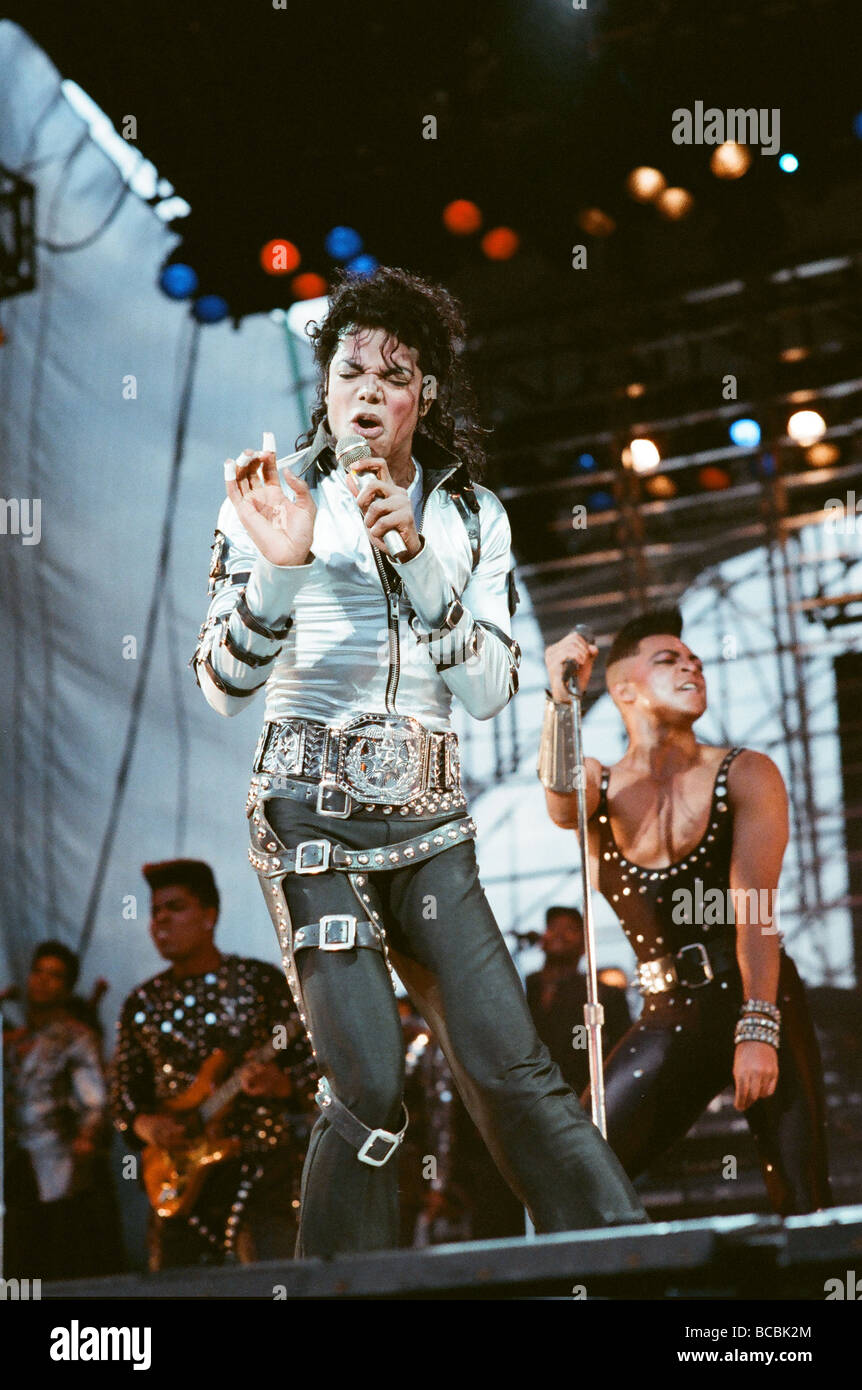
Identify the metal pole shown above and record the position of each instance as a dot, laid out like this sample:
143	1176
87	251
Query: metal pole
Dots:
594	1014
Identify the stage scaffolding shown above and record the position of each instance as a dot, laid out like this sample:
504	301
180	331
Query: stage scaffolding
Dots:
791	340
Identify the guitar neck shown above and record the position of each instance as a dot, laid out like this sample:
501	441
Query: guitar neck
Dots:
228	1090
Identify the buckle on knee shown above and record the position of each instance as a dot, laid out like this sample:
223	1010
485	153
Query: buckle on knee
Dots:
374	1146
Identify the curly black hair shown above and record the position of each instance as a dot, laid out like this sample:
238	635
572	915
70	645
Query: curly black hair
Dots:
420	315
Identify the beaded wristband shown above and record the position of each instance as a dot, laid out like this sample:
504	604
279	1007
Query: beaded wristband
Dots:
752	1032
762	1006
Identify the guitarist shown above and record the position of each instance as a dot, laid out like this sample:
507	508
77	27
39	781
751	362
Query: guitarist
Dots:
168	1028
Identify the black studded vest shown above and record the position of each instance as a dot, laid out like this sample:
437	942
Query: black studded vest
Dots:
655	921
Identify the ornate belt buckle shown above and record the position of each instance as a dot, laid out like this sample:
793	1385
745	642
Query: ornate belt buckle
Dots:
312	857
283	751
384	758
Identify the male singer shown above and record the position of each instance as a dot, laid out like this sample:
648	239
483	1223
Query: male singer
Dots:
360	833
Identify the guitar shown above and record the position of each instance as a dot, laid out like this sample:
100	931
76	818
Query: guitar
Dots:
174	1177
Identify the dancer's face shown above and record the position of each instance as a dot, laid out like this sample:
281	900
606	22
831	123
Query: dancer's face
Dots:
374	388
663	678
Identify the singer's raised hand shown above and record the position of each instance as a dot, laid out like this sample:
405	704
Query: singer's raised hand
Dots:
281	529
573	647
385	506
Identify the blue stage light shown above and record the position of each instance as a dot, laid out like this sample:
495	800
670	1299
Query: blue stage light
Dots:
600	502
211	308
745	434
343	243
586	462
788	163
362	265
857	125
178	281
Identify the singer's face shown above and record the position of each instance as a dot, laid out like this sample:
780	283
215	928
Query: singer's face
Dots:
374	388
665	678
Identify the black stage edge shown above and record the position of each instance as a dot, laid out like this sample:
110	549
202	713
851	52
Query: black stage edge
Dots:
729	1257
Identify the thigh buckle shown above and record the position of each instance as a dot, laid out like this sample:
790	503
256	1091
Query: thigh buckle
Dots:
337	932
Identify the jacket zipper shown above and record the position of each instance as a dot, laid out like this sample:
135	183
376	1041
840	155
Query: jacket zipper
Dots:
392	615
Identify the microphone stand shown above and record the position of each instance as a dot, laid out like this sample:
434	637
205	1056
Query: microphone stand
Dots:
594	1014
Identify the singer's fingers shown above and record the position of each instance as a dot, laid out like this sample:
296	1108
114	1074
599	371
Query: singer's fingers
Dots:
269	468
387	507
230	484
371	465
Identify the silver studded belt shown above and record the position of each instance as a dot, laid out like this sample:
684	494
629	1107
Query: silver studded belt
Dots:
373	759
319	856
691	967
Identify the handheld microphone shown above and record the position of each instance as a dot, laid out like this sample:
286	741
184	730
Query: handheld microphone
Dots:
348	452
570	670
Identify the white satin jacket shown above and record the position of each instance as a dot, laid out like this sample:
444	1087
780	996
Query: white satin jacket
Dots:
351	633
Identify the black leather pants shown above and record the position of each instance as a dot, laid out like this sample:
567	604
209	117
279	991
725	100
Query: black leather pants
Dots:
450	954
679	1055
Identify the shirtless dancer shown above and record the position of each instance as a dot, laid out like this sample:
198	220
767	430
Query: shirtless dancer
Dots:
669	824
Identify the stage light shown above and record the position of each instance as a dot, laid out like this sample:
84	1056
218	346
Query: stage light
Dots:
641	455
788	163
793	354
822	455
280	257
806	427
596	223
713	479
500	244
730	160
745	434
645	183
309	285
635	390
210	308
674	203
857	125
179	281
304	313
362	266
600	502
462	217
660	486
343	243
586	463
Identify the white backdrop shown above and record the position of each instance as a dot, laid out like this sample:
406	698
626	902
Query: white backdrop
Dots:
99	465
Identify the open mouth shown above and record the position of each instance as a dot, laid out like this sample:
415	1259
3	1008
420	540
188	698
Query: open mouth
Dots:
368	425
689	685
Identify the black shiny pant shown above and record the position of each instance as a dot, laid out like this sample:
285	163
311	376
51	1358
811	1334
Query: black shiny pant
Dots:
679	1055
451	957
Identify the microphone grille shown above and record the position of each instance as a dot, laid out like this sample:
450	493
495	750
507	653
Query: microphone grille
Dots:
350	448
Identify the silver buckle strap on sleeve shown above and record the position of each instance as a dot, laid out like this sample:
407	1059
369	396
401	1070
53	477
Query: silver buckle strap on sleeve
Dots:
318	856
255	624
338	931
374	1146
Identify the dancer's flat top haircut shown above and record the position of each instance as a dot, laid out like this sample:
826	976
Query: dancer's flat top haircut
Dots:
193	874
660	622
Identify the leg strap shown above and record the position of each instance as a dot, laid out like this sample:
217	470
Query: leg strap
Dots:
338	931
318	856
375	1146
